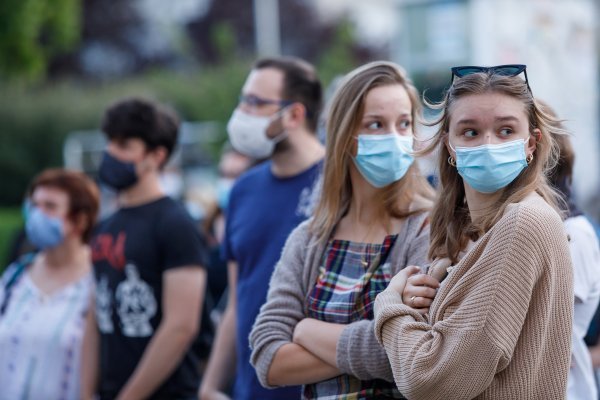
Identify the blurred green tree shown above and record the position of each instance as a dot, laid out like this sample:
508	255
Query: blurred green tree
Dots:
32	31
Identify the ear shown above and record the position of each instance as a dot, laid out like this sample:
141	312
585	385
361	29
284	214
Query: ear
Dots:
295	116
534	138
159	156
78	224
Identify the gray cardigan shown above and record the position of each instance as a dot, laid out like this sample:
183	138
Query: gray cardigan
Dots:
358	353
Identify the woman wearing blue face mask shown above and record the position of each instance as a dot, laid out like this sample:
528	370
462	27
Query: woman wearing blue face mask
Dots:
316	327
44	297
499	326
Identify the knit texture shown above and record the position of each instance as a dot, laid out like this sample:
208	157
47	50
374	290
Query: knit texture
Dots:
500	325
358	353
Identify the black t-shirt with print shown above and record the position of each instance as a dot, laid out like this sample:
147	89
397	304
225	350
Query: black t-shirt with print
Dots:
131	250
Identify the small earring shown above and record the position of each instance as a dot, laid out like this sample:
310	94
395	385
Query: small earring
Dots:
452	161
529	158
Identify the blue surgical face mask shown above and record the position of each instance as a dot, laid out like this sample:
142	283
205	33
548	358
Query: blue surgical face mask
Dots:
383	159
490	167
224	186
117	174
43	231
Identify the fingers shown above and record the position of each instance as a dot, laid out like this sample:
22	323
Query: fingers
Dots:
417	301
421	291
411	270
423	280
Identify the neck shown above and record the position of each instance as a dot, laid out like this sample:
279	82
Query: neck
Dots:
302	151
70	252
147	189
479	203
365	207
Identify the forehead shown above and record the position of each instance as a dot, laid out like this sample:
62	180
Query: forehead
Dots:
50	194
487	107
265	82
387	99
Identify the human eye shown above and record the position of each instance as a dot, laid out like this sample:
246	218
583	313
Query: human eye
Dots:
405	124
373	125
506	132
470	133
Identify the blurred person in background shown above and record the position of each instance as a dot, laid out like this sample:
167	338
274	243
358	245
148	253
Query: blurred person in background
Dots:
231	165
45	296
585	255
276	118
316	327
148	261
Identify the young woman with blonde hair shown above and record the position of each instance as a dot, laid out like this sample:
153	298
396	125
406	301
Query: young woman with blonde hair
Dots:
316	327
499	326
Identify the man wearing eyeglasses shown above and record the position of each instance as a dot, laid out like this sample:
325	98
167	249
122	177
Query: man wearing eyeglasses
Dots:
275	119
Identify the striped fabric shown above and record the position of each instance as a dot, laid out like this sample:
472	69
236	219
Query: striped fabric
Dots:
350	277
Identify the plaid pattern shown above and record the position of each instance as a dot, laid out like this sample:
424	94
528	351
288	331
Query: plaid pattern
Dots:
350	277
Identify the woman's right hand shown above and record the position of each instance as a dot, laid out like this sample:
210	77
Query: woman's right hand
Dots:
419	292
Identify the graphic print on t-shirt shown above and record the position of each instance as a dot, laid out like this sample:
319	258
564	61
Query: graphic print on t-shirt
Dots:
308	198
110	249
103	306
136	304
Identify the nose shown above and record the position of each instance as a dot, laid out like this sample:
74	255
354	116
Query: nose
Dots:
245	107
490	138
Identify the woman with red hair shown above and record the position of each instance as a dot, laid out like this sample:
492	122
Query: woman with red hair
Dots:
45	296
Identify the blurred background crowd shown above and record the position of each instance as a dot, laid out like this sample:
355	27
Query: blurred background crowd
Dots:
63	61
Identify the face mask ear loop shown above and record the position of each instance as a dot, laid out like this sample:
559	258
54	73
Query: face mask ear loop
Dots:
278	115
452	147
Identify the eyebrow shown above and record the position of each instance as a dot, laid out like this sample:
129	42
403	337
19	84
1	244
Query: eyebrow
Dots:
508	118
381	116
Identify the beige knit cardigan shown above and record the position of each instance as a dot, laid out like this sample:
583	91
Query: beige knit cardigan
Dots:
500	324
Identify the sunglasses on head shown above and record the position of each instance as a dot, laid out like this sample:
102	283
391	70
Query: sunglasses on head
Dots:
505	70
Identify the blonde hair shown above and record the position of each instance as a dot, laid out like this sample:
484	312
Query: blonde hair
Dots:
451	224
409	195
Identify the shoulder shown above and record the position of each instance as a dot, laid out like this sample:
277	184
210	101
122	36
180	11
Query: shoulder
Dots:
168	206
581	228
252	175
302	234
417	224
532	220
170	212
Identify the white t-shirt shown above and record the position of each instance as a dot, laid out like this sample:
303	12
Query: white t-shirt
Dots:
40	340
585	253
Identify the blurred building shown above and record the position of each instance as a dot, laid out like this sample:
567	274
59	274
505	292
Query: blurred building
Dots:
558	40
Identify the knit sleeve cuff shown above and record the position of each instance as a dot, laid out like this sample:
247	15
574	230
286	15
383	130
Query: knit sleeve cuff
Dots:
343	346
263	360
388	305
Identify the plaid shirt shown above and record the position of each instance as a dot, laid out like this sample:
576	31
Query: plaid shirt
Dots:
350	277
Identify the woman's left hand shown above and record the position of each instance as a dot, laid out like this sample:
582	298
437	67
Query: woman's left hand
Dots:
398	282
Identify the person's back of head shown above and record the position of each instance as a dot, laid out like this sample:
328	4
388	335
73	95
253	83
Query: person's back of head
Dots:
300	84
561	176
137	118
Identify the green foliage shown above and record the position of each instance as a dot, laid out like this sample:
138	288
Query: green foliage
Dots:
223	37
10	223
35	122
31	31
338	58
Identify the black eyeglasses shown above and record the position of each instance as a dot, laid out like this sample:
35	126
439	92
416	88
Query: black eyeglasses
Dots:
505	70
256	101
